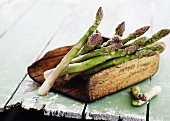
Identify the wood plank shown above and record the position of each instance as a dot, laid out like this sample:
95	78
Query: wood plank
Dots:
159	106
11	12
53	104
66	36
21	45
62	106
118	106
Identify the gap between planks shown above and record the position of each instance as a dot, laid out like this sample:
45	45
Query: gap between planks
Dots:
36	58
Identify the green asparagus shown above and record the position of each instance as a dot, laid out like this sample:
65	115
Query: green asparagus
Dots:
160	34
138	54
143	41
97	52
79	67
135	91
93	41
136	34
149	51
69	56
115	42
120	29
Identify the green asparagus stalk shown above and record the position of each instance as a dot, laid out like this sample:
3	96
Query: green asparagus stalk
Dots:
139	54
149	51
69	56
139	41
135	34
79	67
98	52
160	34
93	41
120	29
143	41
115	42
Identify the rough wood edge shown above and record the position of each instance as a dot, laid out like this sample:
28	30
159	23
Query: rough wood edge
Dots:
97	83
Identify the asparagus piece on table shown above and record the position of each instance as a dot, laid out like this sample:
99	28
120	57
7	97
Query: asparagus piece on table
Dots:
135	91
147	96
120	29
69	56
135	34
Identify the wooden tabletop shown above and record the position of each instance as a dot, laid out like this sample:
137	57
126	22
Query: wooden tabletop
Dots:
30	28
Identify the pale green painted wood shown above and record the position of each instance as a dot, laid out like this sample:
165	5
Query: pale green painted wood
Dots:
119	104
21	45
159	106
53	104
11	12
108	107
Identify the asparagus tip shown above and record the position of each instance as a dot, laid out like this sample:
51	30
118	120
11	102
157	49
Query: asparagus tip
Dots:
120	29
99	14
142	30
122	25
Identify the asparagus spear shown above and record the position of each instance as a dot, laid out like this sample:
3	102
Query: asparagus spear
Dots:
139	41
138	54
69	56
79	67
135	34
115	41
93	41
114	44
160	34
143	41
149	51
117	36
147	96
120	29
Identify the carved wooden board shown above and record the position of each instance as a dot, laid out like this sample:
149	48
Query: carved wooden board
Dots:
124	75
100	84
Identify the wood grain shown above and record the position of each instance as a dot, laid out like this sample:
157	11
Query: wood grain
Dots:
159	106
23	43
124	75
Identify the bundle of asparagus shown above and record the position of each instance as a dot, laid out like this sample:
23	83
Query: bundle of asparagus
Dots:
91	55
